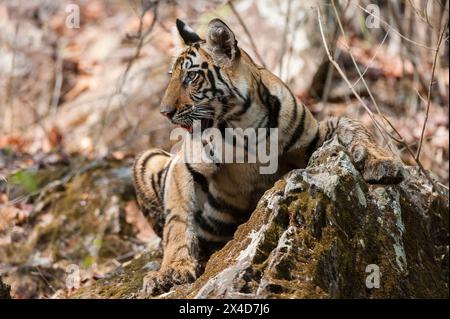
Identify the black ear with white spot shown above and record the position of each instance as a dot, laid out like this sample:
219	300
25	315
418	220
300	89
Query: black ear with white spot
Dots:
187	34
221	42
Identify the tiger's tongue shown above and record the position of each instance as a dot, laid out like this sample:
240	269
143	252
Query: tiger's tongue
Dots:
187	128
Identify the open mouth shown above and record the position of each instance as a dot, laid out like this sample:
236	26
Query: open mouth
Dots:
205	124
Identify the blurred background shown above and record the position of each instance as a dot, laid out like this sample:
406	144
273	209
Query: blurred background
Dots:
80	87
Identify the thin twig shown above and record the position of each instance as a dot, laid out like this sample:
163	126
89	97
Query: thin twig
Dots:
396	31
441	36
420	14
241	22
369	64
58	82
44	279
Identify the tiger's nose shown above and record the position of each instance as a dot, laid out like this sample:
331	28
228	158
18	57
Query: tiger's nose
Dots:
168	111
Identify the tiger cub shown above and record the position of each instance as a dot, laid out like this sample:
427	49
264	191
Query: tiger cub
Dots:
196	207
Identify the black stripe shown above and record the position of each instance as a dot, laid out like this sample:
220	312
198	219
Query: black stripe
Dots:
223	207
214	227
155	189
201	81
158	183
222	228
145	211
297	133
223	100
294	115
190	61
245	106
198	178
207	242
196	98
271	102
219	77
142	168
135	174
330	130
159	174
154	186
238	52
235	90
179	62
176	218
212	81
192	53
201	222
230	89
165	172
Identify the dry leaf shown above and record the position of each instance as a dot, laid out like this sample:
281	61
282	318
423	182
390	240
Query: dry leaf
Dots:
10	215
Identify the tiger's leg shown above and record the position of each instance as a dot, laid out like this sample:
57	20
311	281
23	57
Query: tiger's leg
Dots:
179	264
374	162
149	176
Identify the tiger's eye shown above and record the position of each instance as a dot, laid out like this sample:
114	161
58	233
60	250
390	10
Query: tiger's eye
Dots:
191	75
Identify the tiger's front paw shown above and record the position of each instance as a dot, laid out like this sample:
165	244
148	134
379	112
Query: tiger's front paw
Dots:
376	166
383	171
158	282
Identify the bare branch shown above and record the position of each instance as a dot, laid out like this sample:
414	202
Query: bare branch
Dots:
441	36
396	31
369	64
58	81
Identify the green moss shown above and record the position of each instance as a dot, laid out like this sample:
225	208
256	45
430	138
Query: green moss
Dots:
126	282
24	179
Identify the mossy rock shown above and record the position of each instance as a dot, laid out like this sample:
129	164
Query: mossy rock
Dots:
322	232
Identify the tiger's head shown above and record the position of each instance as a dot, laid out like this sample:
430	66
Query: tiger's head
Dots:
210	79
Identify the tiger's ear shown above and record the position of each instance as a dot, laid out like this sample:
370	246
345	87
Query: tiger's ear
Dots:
187	34
221	42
